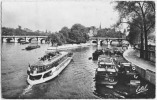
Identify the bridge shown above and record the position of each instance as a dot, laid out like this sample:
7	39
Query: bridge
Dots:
18	39
99	40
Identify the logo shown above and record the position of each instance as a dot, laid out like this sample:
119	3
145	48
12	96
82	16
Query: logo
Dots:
141	89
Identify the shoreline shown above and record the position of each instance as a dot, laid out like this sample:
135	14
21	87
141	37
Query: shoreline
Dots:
146	70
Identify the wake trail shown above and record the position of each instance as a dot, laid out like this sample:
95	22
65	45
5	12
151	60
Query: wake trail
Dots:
26	90
29	88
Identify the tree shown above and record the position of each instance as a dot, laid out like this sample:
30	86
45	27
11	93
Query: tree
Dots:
79	33
134	34
65	31
141	12
109	33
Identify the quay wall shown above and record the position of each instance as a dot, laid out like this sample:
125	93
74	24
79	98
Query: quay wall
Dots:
145	73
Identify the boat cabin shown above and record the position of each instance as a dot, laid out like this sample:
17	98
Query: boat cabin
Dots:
106	73
128	68
110	67
131	75
47	62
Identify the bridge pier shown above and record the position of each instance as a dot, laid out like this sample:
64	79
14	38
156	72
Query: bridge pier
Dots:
98	42
39	40
16	40
111	42
27	39
119	41
108	41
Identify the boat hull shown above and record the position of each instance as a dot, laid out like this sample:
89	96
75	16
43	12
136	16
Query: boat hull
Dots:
106	83
55	73
32	47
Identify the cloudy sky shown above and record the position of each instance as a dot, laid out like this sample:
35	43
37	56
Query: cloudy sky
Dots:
53	15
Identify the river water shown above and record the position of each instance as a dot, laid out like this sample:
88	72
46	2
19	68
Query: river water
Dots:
75	82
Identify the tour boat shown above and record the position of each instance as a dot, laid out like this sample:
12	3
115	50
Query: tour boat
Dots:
64	47
85	44
107	72
48	67
68	46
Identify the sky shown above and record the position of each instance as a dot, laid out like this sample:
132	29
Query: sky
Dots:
53	15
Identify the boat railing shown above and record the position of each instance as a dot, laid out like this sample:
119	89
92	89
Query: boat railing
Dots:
48	66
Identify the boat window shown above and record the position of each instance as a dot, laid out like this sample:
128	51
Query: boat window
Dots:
110	66
128	68
101	66
47	74
47	67
35	77
60	61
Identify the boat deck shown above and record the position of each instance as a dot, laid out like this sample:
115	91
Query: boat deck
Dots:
45	64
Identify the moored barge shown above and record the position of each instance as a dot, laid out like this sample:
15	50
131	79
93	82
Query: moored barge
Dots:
106	73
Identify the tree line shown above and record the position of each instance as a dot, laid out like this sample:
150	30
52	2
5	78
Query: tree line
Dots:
109	32
76	34
140	16
21	32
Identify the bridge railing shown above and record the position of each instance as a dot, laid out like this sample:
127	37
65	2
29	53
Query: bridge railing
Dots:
21	36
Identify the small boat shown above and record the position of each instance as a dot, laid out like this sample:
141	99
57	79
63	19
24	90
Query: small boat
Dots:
48	67
32	47
106	73
96	54
117	51
24	42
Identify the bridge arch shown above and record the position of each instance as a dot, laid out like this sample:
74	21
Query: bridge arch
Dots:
43	40
33	39
19	39
93	41
8	40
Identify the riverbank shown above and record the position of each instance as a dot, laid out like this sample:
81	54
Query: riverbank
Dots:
145	68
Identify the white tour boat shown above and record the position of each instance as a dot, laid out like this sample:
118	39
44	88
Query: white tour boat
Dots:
48	67
63	47
68	46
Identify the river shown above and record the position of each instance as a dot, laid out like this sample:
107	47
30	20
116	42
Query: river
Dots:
75	82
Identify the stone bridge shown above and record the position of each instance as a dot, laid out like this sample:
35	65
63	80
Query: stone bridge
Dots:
99	40
18	39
